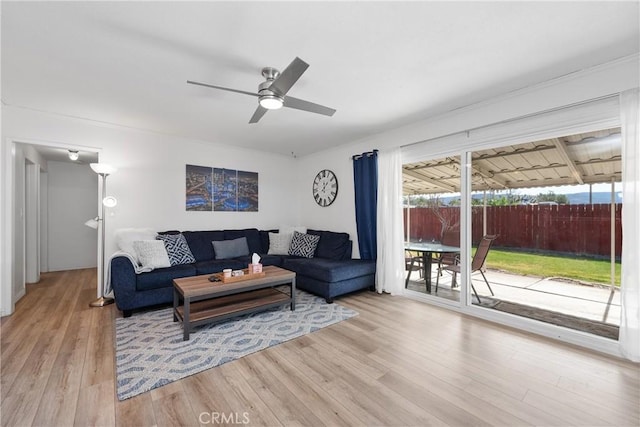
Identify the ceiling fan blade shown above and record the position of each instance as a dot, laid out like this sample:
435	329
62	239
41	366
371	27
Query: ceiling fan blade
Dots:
289	76
300	104
260	111
222	88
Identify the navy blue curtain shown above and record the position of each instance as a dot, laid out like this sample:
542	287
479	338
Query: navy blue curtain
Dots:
365	179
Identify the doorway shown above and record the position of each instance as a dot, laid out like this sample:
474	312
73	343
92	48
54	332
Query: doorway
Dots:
55	194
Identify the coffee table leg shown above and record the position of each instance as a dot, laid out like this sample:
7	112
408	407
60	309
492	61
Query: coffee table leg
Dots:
186	323
293	294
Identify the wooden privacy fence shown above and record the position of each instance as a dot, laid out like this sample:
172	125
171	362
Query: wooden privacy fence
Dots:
576	229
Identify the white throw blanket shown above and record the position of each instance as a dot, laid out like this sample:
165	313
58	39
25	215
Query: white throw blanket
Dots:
136	267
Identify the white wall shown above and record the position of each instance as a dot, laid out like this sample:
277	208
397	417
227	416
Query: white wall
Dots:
20	154
150	181
603	80
340	215
72	193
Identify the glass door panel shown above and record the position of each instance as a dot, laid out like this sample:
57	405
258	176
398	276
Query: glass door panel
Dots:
432	227
554	209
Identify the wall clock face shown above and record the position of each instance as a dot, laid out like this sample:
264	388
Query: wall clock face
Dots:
325	187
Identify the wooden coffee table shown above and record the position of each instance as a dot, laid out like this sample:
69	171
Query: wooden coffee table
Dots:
206	302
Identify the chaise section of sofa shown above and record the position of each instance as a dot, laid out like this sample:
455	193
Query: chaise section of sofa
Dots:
332	272
330	278
329	273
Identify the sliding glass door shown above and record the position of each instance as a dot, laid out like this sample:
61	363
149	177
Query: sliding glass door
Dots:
432	227
545	230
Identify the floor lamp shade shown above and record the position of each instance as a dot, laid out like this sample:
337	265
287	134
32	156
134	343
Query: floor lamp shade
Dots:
93	223
103	168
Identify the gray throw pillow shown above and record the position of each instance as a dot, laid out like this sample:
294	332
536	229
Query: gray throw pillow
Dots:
152	253
225	249
279	243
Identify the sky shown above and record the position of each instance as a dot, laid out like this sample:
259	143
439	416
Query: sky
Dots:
560	189
568	189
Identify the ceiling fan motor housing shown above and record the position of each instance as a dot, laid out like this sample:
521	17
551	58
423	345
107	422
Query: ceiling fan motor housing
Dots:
264	90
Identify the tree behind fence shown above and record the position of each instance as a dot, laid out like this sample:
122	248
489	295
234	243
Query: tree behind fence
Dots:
577	229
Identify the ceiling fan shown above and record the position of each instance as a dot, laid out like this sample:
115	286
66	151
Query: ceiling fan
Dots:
272	93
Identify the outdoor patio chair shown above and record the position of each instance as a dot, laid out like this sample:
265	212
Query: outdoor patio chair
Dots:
477	263
450	237
413	262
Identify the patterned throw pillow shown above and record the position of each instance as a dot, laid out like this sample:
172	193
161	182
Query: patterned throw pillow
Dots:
303	245
177	249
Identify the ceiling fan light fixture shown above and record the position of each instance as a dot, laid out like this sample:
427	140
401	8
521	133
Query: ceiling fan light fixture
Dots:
271	102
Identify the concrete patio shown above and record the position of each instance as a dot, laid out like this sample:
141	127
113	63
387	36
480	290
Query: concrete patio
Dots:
593	302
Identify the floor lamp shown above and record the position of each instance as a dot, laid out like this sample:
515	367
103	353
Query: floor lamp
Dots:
104	171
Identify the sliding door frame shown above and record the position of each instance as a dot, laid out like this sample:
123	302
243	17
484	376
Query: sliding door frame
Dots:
602	113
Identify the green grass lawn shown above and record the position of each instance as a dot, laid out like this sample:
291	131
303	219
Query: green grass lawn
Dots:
584	269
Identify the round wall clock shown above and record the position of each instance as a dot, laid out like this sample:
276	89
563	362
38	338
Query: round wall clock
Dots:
325	187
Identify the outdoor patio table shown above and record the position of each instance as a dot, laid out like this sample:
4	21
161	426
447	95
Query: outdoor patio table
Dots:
427	249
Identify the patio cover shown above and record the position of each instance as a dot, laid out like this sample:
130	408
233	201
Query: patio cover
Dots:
586	158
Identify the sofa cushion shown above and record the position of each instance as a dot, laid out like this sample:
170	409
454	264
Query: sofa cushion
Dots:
217	265
334	289
200	243
177	248
252	235
332	245
225	249
264	240
328	270
303	245
163	277
170	232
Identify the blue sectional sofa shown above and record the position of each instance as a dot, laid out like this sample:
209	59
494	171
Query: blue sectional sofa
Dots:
330	273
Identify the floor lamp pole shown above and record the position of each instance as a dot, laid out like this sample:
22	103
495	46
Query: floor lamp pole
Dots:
102	300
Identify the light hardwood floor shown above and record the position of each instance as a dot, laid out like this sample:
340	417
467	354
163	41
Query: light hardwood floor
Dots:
400	362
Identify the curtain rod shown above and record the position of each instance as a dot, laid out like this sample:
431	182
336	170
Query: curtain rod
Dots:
526	116
368	154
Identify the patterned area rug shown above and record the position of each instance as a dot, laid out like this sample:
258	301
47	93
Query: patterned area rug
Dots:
150	351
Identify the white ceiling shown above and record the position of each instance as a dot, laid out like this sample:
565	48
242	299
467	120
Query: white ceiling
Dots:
380	64
57	154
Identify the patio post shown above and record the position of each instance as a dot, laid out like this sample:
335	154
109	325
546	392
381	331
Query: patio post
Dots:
484	213
613	234
408	218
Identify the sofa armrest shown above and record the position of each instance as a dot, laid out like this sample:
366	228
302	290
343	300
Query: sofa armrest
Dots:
123	277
